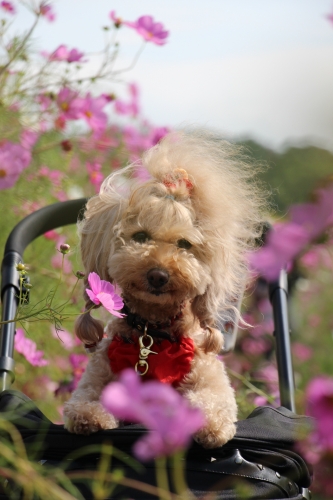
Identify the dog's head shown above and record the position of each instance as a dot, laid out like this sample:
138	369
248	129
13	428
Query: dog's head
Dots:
181	235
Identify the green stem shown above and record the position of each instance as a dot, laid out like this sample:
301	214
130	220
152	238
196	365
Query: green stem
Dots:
20	47
250	386
133	63
162	479
178	475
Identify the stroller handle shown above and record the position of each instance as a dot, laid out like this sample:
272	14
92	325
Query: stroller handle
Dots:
43	220
34	225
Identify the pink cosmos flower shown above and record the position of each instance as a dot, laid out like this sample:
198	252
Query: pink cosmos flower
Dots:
46	10
319	396
255	346
157	133
129	108
311	258
79	363
13	159
28	138
67	340
149	30
90	110
269	375
263	401
8	7
60	54
63	54
44	101
55	177
60	194
74	56
315	218
52	235
28	349
287	240
168	416
65	101
301	351
329	17
117	20
95	175
284	243
103	292
135	141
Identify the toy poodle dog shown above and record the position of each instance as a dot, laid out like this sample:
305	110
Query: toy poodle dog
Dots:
172	232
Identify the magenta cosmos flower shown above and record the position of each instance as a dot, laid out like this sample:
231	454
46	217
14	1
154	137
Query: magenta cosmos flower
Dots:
319	397
13	159
28	349
160	408
317	217
104	293
46	10
28	138
90	109
116	20
63	54
284	242
8	7
66	101
149	30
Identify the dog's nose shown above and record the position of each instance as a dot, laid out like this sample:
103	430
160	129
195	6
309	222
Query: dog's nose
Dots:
157	277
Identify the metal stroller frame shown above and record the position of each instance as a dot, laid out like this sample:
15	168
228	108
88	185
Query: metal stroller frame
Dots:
64	213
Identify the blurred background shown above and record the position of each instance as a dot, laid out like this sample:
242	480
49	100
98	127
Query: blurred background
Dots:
257	72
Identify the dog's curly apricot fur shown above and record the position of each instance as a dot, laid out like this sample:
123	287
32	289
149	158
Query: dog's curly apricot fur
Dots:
175	242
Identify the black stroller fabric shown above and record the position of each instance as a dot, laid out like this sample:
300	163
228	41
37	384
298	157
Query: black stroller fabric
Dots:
260	462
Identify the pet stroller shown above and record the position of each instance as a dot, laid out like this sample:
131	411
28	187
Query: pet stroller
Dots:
261	456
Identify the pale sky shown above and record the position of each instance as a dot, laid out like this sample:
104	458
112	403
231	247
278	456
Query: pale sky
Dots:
248	68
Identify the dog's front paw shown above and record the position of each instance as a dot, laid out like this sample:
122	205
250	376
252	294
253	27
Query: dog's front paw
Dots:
87	418
209	437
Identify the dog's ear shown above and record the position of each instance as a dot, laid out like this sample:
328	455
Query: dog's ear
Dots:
97	243
97	232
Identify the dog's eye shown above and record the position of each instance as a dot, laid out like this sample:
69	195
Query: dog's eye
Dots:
184	244
141	237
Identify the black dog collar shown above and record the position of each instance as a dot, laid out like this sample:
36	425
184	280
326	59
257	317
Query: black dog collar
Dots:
153	329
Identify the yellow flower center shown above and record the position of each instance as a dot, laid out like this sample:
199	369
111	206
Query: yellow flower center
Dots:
3	173
64	106
88	114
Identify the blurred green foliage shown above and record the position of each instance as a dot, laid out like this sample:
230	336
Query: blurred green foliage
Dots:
293	174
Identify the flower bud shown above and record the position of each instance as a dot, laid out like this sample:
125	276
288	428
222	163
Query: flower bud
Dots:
20	267
64	248
66	145
80	275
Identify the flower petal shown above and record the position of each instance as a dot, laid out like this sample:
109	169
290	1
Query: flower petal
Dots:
92	296
108	303
95	282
